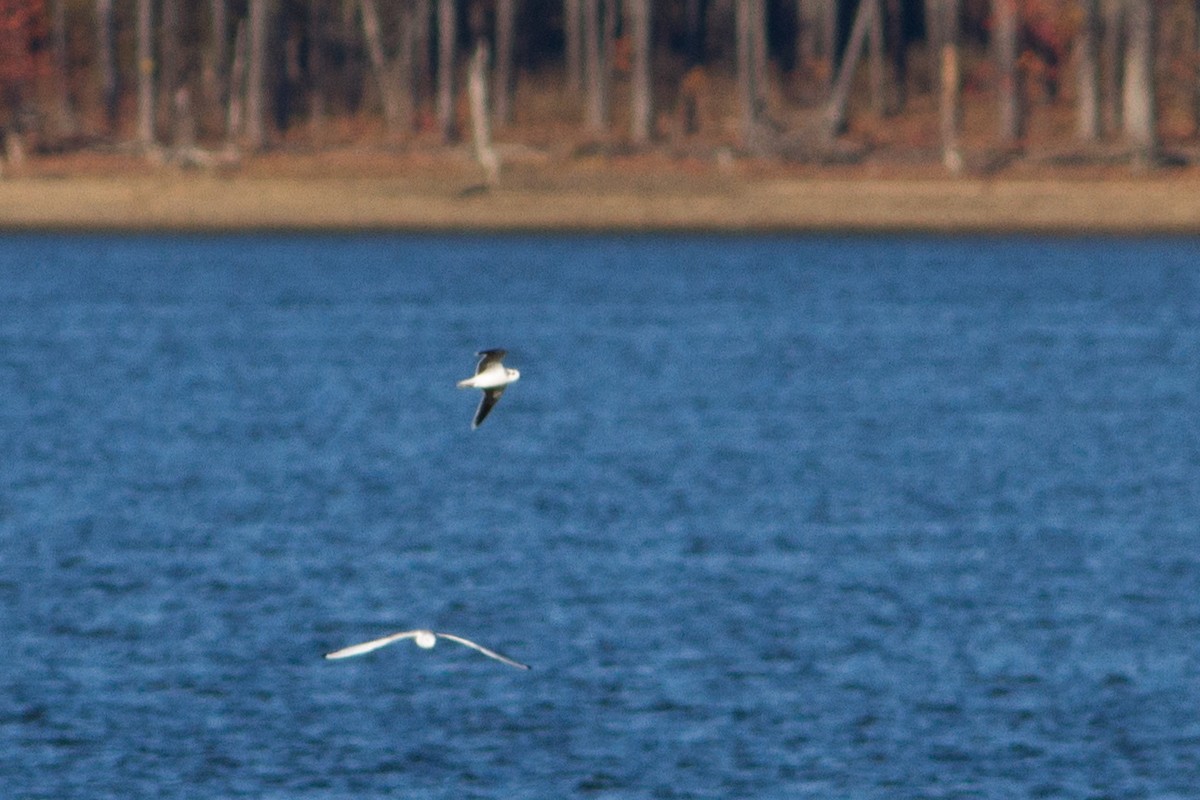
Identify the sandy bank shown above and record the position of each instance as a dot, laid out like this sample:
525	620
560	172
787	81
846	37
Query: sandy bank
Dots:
434	198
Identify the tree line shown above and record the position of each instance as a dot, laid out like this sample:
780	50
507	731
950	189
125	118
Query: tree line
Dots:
249	73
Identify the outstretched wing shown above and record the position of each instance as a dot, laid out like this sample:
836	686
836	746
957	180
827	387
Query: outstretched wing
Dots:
489	357
374	644
484	650
490	396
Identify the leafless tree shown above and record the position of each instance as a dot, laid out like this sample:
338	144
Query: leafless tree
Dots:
1141	116
596	65
409	50
897	47
506	18
145	72
638	14
216	57
256	74
64	114
393	75
1011	85
750	20
943	16
234	114
447	20
106	59
1196	68
316	70
1114	66
878	73
816	42
481	134
169	58
1087	48
839	96
573	44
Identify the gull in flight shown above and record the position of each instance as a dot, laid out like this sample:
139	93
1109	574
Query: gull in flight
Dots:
425	639
492	377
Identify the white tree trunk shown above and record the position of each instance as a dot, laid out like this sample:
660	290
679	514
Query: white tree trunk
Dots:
595	53
447	35
145	73
1088	63
839	96
638	15
235	116
1012	107
951	86
1141	119
385	72
749	17
477	82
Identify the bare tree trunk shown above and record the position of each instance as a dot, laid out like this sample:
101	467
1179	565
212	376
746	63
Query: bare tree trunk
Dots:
1012	106
215	78
951	86
749	17
1141	118
758	28
316	72
897	48
106	57
839	97
256	78
876	61
64	122
506	12
573	44
933	41
168	61
1196	69
595	52
477	81
642	105
816	43
385	73
694	31
185	122
1088	62
1113	75
447	36
145	62
234	119
423	61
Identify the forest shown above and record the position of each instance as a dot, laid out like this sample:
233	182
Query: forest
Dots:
807	80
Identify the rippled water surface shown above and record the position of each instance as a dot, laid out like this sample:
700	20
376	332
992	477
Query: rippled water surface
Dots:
810	518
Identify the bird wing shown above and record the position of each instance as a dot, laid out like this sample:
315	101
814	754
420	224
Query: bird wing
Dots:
490	396
484	650
374	644
489	357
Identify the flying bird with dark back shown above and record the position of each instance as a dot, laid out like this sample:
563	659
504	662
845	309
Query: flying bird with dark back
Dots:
493	378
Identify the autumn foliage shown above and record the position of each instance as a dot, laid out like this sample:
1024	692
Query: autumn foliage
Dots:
22	31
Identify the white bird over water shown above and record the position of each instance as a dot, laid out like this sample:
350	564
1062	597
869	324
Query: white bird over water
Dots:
492	377
425	639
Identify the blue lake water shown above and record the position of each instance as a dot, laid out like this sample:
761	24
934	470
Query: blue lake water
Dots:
770	518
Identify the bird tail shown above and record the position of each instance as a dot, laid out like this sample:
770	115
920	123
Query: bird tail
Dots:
465	383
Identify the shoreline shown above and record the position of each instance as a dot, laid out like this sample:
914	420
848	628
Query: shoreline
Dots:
596	198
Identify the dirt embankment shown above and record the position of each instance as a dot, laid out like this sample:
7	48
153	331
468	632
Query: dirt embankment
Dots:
377	190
